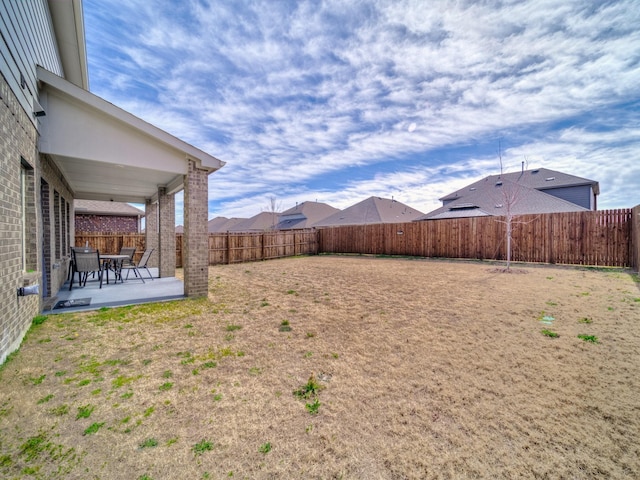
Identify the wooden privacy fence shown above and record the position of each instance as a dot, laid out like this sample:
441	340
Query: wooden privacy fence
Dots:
635	238
112	243
223	247
601	238
581	238
227	248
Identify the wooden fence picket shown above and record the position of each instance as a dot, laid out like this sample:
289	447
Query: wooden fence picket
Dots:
600	238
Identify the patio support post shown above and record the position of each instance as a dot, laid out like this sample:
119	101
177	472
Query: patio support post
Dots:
167	237
152	239
196	236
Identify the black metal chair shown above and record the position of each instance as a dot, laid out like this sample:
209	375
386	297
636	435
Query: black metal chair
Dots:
131	251
72	261
84	263
142	264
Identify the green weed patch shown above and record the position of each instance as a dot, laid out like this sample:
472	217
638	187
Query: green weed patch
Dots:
202	447
588	338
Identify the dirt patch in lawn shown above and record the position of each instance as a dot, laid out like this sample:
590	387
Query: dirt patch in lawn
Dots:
338	367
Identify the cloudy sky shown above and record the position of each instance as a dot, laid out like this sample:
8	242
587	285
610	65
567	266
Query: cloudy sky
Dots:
336	101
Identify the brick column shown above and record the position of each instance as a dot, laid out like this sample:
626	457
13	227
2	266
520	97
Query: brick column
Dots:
151	238
196	236
167	237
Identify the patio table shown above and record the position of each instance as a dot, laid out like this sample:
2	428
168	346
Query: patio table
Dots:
113	262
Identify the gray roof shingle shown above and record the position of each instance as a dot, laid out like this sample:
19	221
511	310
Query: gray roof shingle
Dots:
98	207
223	224
258	223
304	215
372	210
522	192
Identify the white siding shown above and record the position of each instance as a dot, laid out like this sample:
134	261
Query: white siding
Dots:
27	40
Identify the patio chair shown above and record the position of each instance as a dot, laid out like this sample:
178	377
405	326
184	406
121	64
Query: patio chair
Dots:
84	264
131	251
142	264
72	261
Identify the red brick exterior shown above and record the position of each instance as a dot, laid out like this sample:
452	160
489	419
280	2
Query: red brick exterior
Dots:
89	223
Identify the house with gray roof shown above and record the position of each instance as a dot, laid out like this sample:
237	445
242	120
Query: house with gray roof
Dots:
304	215
223	224
526	192
372	210
258	223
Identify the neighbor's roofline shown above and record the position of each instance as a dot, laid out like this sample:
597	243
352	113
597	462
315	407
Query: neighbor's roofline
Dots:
583	181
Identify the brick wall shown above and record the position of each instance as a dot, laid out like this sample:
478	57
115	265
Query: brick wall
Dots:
167	238
58	226
88	223
196	236
17	148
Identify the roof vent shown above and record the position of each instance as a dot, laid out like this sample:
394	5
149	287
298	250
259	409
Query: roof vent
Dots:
463	206
472	188
533	172
498	183
499	205
549	179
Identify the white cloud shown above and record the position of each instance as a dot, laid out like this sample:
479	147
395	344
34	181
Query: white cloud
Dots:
293	94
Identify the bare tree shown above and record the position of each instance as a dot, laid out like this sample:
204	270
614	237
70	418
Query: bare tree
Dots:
511	194
273	207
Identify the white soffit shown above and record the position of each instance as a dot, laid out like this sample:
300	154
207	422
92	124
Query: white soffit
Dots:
107	153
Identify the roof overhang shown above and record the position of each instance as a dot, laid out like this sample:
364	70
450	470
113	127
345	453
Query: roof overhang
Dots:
68	24
106	153
595	186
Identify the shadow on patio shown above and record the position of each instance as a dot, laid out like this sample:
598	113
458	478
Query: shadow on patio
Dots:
131	292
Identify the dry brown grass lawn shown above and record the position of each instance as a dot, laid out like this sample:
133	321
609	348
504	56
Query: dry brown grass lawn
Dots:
428	369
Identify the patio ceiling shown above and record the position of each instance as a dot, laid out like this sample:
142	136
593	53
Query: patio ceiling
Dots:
106	153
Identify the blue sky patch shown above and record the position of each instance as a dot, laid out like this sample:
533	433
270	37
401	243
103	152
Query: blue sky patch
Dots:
337	101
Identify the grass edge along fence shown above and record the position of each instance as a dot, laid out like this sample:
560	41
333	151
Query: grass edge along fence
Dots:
599	238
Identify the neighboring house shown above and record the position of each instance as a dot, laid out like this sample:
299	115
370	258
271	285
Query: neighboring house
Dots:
258	223
304	215
371	210
223	224
60	143
95	216
529	191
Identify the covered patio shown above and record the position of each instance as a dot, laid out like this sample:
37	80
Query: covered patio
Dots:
105	153
116	294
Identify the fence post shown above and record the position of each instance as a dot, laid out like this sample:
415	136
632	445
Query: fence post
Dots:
550	238
634	251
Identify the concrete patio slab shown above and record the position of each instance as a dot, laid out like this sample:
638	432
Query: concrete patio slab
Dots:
129	292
